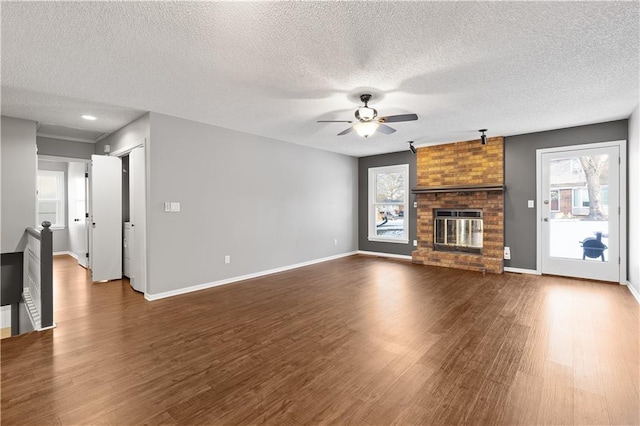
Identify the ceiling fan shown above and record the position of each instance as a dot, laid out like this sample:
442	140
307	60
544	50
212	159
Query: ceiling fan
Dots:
368	123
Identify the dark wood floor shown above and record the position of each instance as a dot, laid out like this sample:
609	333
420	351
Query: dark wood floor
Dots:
357	340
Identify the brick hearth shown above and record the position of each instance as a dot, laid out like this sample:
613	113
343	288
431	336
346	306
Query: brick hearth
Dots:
459	165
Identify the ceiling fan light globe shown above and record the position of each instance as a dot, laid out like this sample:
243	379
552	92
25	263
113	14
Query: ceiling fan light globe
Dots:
367	128
366	114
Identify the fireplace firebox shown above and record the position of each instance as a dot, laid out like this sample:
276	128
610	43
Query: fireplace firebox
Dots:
458	230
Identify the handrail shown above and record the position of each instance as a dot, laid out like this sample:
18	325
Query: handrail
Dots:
37	289
35	232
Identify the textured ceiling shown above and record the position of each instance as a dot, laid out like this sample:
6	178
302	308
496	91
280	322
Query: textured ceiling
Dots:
275	68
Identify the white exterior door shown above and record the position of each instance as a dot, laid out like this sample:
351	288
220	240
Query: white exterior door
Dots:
106	218
137	203
78	237
579	212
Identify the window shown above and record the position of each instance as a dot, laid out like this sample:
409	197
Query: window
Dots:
555	200
388	215
581	196
51	198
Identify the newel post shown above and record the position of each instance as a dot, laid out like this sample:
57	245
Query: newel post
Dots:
46	274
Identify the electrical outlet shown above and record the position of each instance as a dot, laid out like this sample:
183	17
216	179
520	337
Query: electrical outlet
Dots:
227	259
530	204
415	204
507	253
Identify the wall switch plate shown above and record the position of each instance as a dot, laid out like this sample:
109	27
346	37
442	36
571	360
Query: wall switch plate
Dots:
175	207
335	241
167	207
227	259
415	204
530	204
507	253
415	243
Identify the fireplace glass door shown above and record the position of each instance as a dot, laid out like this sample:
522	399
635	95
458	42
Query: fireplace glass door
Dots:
458	230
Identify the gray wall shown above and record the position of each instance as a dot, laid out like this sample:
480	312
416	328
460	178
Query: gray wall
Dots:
364	163
18	160
130	136
266	203
633	159
520	179
60	236
61	148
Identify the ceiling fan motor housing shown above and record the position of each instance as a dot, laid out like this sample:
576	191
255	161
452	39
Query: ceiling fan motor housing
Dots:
365	113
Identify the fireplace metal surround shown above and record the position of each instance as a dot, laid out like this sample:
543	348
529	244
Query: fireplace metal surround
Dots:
458	230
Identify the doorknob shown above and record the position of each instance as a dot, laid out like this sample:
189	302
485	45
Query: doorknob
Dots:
546	201
546	219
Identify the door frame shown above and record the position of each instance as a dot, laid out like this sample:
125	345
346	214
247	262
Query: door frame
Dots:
86	162
121	152
622	148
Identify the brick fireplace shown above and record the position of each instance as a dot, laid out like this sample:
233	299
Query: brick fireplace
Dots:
463	176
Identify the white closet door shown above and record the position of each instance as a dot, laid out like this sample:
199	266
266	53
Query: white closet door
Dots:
106	218
78	240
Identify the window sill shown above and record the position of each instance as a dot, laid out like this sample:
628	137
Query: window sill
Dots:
388	240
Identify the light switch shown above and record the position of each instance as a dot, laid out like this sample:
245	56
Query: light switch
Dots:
530	204
175	207
167	207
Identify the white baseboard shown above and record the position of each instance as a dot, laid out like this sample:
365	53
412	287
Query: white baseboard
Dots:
633	291
48	328
521	271
157	296
390	255
62	253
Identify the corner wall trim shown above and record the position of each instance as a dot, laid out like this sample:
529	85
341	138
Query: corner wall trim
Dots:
198	287
633	291
61	253
390	255
521	271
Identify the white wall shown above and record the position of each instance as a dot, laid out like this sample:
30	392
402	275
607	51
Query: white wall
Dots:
5	316
60	236
634	200
266	203
18	161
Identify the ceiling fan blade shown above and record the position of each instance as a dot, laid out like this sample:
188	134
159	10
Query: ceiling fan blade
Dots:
334	121
398	118
344	132
386	129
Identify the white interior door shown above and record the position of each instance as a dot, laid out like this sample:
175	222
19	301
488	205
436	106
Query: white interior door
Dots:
580	212
137	203
78	209
106	218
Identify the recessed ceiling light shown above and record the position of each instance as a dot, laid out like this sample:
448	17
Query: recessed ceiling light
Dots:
89	117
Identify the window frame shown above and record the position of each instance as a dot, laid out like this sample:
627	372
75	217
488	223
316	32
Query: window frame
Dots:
371	226
60	199
557	191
